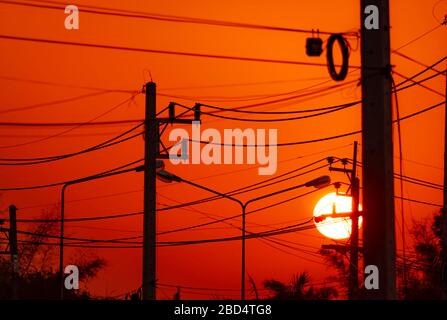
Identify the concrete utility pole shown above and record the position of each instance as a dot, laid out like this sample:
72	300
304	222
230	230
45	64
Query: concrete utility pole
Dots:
378	185
149	223
354	257
444	209
14	251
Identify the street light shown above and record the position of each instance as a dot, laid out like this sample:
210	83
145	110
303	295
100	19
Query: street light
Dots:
159	165
319	182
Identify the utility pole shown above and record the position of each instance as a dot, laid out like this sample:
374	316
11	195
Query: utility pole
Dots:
444	209
354	257
13	250
151	143
354	215
377	151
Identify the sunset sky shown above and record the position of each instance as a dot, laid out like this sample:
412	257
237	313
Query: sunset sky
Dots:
34	73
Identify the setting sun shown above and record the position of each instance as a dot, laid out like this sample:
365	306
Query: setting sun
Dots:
334	228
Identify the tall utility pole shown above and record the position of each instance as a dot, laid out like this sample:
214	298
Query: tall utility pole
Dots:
378	189
444	209
13	250
354	258
149	223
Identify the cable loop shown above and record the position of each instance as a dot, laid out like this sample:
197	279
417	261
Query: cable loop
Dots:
337	76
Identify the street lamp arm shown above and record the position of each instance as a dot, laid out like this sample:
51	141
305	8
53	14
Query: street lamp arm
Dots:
274	194
61	235
100	176
223	195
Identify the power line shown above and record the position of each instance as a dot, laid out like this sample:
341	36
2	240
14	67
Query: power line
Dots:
166	52
401	181
272	242
277	231
71	86
418	37
419	83
113	108
120	122
81	199
245	189
416	61
64	182
331	110
240	84
421	72
282	230
56	102
105	144
420	201
419	183
423	164
303	92
80	135
410	179
249	188
281	112
169	18
201	178
69	124
82	219
314	140
236	216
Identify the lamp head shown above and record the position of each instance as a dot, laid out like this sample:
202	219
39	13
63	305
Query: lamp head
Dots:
167	177
319	182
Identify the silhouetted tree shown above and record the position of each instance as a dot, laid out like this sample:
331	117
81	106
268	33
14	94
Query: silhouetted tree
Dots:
38	279
425	263
299	288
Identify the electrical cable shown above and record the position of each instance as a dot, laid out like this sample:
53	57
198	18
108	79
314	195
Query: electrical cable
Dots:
55	102
314	140
401	183
279	119
64	182
167	18
281	112
421	72
70	129
416	61
419	83
209	176
418	37
341	75
420	201
105	144
69	124
165	52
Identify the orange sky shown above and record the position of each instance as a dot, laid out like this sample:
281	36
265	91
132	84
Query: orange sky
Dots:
215	265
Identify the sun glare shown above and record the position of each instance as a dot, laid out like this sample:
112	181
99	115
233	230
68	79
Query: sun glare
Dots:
335	228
